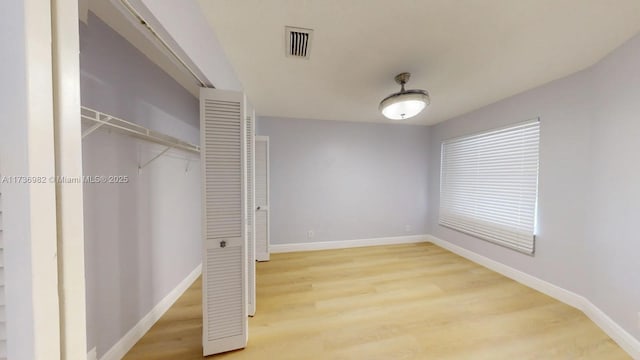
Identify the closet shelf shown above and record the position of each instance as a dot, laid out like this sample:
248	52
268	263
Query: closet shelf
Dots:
100	119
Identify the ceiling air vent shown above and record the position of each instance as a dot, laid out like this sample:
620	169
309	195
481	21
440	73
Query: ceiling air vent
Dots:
298	41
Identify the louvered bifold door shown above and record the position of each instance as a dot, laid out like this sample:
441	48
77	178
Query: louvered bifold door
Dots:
224	263
262	198
251	233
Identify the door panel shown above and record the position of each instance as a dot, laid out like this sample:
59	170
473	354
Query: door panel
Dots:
251	205
262	198
224	258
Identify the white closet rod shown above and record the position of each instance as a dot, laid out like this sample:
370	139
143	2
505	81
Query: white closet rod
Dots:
101	119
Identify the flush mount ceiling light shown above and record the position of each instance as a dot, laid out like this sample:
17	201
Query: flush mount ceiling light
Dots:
406	103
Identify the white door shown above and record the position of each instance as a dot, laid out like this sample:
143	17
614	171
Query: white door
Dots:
262	198
224	259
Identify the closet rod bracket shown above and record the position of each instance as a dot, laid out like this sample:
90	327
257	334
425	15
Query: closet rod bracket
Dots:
97	126
140	167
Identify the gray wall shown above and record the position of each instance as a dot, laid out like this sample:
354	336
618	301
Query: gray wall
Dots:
564	108
142	238
345	180
589	199
613	243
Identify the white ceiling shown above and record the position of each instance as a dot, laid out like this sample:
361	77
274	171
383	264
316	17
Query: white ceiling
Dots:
466	53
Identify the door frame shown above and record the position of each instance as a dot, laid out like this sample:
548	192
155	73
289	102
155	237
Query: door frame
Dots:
43	223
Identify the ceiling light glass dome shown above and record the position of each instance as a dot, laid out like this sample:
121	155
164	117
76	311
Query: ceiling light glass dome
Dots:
406	103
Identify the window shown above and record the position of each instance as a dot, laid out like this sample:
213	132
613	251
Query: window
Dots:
489	185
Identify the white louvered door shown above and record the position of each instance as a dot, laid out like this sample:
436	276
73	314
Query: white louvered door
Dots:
3	311
224	263
262	198
251	231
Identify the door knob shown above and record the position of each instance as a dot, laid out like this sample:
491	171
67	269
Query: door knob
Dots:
258	208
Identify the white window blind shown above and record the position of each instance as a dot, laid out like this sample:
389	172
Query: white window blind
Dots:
489	185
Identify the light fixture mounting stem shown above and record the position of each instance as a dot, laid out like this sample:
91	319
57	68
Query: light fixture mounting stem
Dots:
402	79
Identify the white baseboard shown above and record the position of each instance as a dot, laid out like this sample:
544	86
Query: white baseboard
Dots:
626	341
531	281
343	244
120	349
92	354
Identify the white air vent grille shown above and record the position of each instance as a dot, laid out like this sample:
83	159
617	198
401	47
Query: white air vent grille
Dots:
298	42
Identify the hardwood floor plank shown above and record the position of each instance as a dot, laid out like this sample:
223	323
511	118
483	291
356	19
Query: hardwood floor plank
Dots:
414	301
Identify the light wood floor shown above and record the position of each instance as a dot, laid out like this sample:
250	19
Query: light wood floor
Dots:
413	301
